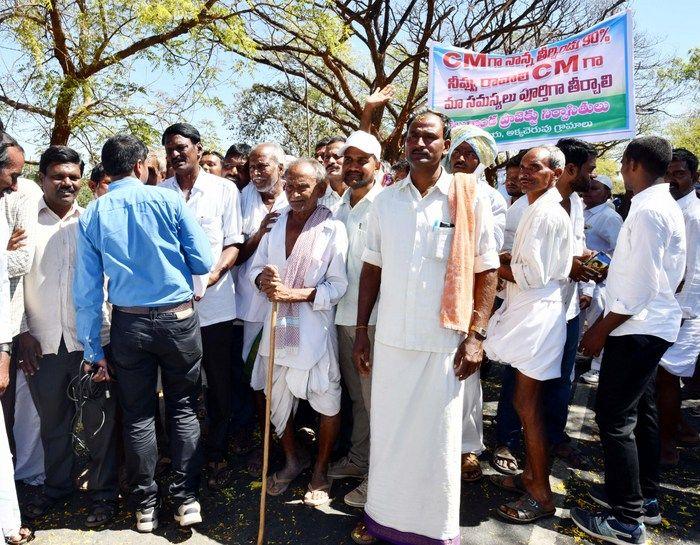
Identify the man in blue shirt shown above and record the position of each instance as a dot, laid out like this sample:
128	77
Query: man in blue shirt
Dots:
148	245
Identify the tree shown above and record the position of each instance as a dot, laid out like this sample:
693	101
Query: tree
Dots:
345	49
72	61
686	133
264	115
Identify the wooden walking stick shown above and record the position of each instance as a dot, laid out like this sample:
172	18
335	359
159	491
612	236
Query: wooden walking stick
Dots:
266	440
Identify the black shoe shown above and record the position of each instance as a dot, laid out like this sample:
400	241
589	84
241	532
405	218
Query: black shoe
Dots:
652	512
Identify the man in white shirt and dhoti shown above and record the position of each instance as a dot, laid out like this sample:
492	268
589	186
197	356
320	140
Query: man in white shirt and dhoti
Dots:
261	203
679	360
300	264
642	319
473	150
432	255
528	331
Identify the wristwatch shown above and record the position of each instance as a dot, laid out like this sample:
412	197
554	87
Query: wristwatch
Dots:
6	347
479	332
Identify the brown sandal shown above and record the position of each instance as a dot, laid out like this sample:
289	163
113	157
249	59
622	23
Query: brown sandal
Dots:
25	536
471	468
361	536
509	483
524	510
504	462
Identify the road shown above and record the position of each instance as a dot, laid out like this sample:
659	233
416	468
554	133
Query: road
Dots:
231	516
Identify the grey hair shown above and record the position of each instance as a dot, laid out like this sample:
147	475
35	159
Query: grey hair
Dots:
277	155
557	159
319	169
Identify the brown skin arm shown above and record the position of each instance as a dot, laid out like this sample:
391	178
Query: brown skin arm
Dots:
594	339
471	352
370	282
271	285
228	258
504	271
376	100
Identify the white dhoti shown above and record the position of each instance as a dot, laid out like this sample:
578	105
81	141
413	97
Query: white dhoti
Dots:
416	436
320	385
591	314
10	520
472	415
251	330
528	331
680	358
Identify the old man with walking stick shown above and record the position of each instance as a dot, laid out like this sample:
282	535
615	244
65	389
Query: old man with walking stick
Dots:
300	265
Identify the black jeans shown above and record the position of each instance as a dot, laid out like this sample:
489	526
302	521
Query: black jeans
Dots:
142	344
217	340
628	421
48	387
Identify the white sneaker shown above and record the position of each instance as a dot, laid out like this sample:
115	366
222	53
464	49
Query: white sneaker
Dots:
591	377
147	519
189	513
358	496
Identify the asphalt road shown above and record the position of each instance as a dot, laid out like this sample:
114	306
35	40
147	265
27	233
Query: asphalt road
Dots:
231	515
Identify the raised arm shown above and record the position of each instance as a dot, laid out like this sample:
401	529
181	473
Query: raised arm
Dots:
374	101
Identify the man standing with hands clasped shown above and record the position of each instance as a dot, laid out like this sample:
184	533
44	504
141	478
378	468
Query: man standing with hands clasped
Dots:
642	319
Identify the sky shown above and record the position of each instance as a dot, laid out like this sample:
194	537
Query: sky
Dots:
674	23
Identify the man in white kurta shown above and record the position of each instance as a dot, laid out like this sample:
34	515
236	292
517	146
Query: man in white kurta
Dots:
416	413
680	359
528	331
305	352
602	227
473	150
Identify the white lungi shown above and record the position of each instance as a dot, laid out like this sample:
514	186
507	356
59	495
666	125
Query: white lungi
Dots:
416	431
29	466
320	385
250	331
680	358
472	415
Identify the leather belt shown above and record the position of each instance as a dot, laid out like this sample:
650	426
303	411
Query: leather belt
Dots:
181	310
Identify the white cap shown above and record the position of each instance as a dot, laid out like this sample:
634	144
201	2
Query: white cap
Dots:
605	180
363	141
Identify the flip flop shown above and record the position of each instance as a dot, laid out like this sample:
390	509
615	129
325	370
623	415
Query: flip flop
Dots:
527	509
25	535
316	497
276	486
503	454
501	481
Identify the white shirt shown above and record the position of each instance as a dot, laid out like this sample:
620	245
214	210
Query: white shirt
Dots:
48	286
498	209
571	292
689	296
250	303
5	320
215	203
405	239
602	227
513	216
326	273
355	220
647	266
330	199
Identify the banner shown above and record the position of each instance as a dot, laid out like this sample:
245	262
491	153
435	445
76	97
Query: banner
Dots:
579	87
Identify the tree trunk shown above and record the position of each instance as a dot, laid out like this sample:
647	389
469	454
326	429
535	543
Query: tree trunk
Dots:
62	119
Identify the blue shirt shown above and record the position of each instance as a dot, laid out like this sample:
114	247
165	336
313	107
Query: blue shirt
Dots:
148	245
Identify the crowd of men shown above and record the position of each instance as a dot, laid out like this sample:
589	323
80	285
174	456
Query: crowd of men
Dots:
390	284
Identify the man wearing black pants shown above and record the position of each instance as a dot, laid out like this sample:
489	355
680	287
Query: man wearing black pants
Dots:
149	245
642	319
215	203
51	355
